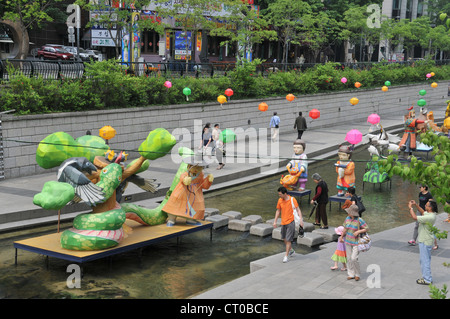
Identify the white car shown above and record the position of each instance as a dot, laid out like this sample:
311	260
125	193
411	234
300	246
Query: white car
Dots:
95	54
84	56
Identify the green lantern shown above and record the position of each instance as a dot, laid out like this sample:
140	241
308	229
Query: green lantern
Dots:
187	92
422	92
387	83
421	102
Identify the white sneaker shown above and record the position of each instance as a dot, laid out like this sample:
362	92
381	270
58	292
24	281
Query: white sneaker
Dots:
285	259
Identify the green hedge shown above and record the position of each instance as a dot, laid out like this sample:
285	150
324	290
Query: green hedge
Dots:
105	85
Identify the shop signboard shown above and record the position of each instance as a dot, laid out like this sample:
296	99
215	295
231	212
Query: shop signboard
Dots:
181	38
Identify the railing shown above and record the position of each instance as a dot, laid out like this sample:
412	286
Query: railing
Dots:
59	70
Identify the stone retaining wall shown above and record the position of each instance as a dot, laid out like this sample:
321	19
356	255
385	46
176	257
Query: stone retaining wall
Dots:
21	134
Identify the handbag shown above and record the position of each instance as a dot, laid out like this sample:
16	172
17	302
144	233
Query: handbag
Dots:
361	208
364	241
297	220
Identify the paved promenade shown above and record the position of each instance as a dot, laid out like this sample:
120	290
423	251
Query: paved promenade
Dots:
391	263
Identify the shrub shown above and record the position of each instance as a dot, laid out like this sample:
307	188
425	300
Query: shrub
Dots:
106	85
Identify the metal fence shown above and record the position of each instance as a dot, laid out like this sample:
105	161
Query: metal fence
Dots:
59	70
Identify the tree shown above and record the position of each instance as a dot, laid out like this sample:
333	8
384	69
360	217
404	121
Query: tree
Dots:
286	18
21	15
117	19
356	29
244	26
192	16
434	174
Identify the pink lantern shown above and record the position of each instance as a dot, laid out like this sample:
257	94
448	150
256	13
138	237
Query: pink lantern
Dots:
429	75
353	136
373	119
168	84
344	80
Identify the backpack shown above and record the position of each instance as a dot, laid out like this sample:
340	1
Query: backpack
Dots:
361	208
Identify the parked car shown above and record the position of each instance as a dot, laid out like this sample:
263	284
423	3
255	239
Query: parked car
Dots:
84	56
54	53
94	53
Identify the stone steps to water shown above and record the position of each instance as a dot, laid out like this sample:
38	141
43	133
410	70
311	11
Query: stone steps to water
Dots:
255	225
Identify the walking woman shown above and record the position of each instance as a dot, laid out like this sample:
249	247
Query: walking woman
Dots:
353	227
321	198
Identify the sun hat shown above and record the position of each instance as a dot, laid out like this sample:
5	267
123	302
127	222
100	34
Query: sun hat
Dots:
347	204
196	160
339	230
353	210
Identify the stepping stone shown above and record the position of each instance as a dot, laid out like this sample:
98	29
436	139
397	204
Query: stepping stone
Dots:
270	222
276	233
239	225
211	212
310	239
328	235
261	230
218	220
231	214
254	219
308	227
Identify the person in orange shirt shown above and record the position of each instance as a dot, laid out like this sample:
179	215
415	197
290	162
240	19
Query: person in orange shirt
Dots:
285	206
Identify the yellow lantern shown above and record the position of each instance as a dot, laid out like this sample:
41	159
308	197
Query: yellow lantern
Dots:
447	123
384	88
221	99
107	132
354	101
432	74
434	85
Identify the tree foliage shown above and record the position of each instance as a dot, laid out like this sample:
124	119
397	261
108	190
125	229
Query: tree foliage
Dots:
434	174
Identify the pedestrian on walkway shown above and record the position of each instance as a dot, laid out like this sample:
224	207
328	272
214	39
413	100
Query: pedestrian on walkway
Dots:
300	125
215	137
285	206
425	237
274	126
424	197
321	198
340	255
353	227
219	146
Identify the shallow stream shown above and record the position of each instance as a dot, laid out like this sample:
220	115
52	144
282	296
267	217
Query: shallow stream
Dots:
171	270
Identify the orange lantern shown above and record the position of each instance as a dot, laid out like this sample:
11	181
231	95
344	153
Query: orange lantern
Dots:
354	101
263	107
314	114
107	132
221	99
290	97
434	85
384	88
432	74
357	85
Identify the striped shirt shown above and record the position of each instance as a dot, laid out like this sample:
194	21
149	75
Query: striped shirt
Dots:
351	225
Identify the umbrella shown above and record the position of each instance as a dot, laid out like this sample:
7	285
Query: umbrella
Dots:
312	210
353	136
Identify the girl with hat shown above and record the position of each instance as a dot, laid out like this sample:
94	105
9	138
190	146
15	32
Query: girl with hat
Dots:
353	227
340	255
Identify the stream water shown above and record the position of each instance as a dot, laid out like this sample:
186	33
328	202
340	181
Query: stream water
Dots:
171	270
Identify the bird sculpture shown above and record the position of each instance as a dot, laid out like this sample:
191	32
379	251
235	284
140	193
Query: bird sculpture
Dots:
72	170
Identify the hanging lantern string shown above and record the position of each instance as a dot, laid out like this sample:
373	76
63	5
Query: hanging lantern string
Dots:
237	156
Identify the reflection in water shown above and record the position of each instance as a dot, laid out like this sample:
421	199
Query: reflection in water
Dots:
168	270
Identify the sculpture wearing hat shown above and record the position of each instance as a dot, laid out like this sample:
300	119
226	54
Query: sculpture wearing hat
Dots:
345	168
297	168
408	141
187	200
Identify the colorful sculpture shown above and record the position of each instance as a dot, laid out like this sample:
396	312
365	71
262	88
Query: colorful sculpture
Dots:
297	168
408	141
97	183
186	200
345	168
